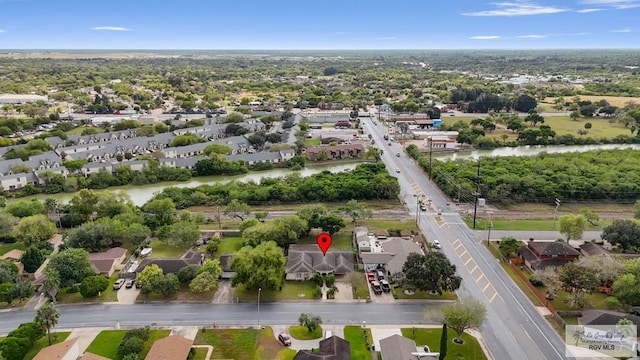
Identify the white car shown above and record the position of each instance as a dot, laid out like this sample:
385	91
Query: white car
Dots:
436	244
398	170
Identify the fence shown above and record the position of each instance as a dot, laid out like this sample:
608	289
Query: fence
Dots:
533	289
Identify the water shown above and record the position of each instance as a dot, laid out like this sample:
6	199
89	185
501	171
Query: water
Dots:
530	151
140	194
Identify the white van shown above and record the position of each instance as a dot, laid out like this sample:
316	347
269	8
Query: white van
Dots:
328	334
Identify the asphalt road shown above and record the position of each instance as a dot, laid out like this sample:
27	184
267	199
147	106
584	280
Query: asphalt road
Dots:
514	329
243	314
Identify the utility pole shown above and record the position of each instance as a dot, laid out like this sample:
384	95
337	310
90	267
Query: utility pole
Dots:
555	212
490	226
259	290
476	194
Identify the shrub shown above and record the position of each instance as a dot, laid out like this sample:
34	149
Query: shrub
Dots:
29	331
330	280
535	282
187	273
15	347
317	279
93	285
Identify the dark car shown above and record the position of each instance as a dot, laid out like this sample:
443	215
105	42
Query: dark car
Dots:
380	275
284	339
129	283
118	284
375	286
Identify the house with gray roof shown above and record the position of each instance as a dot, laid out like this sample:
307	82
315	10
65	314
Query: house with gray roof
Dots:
185	151
95	167
6	165
333	348
238	144
398	347
17	181
55	142
180	163
270	157
304	260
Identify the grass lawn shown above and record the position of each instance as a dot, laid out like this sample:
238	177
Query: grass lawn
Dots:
400	294
386	224
56	337
355	336
360	286
182	295
469	350
571	208
600	127
312	142
290	291
106	343
523	224
243	344
613	100
201	354
591	301
302	333
5	247
162	250
109	295
229	245
340	241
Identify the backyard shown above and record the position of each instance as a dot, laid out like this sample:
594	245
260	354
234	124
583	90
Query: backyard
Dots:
162	250
359	344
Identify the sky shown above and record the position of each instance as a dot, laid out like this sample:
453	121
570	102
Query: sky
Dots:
325	24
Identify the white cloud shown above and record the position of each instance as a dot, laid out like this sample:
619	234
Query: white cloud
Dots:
2	31
485	37
386	38
589	10
517	8
627	30
616	4
532	36
110	28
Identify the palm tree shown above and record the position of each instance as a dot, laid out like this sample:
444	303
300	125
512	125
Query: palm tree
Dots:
47	317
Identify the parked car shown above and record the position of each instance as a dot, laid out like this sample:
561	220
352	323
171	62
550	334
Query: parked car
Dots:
375	286
398	154
423	207
385	286
129	283
118	284
380	275
284	339
436	244
371	276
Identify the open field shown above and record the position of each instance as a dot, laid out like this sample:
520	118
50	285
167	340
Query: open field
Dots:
613	100
243	344
569	207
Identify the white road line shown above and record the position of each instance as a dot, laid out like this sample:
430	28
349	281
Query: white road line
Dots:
525	332
486	286
493	297
468	261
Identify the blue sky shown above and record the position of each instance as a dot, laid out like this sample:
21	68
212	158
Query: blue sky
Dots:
326	24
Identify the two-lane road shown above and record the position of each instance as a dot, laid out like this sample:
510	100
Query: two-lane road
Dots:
514	328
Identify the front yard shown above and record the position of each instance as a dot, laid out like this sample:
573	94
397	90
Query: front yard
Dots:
291	290
243	344
182	295
109	295
107	341
469	350
399	293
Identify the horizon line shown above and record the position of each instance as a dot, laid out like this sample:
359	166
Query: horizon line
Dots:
367	49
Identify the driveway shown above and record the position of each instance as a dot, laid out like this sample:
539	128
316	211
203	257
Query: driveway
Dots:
344	293
385	297
224	295
337	330
127	296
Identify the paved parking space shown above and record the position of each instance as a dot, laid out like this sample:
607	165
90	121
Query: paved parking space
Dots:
127	296
344	293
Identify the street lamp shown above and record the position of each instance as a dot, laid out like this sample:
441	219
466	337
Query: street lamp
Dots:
418	201
476	194
490	226
259	290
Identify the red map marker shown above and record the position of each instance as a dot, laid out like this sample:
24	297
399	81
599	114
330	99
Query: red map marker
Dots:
324	242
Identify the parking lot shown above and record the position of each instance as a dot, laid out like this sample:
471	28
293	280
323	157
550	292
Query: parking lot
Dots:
385	297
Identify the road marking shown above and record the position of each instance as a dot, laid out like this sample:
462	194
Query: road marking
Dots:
525	332
479	277
468	261
486	286
456	247
493	297
474	269
463	253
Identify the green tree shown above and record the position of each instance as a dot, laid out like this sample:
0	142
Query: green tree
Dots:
355	210
262	266
575	279
508	246
431	272
159	212
443	343
32	258
15	347
7	222
83	204
311	214
93	285
33	230
237	209
463	315
626	288
51	283
47	317
591	216
331	223
575	115
623	234
203	282
22	289
148	277
25	208
188	273
572	226
261	215
167	285
72	265
311	322
7	292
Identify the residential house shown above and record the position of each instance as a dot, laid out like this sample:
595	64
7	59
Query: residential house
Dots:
95	167
171	266
391	254
268	157
181	163
238	144
18	181
592	249
173	347
185	151
398	347
542	254
105	263
304	260
439	142
333	348
339	138
335	152
67	350
14	256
